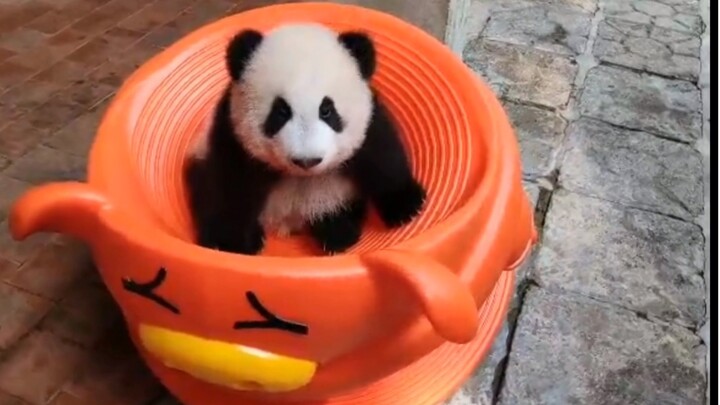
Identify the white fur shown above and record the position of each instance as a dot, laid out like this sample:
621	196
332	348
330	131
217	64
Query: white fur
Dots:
302	63
199	146
298	199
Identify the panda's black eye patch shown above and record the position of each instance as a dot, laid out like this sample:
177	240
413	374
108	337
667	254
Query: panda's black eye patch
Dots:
329	114
280	114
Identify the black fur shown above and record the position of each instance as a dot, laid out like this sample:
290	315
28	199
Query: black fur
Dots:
381	167
362	49
228	187
329	114
239	51
382	171
227	190
280	114
338	231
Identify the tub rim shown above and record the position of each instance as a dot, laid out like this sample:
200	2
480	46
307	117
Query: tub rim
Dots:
105	163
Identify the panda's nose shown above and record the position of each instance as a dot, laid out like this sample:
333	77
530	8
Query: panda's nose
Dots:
307	163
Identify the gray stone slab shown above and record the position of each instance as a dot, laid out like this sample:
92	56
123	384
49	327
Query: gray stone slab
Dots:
649	48
633	168
557	26
540	133
522	73
642	101
704	80
466	20
647	262
533	191
478	390
521	273
679	15
572	350
587	6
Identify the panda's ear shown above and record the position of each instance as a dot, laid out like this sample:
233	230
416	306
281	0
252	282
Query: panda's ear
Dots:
361	47
240	50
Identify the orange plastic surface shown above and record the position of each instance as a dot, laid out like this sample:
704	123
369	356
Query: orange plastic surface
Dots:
402	318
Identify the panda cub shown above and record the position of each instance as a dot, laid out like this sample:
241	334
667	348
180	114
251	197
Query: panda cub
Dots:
299	141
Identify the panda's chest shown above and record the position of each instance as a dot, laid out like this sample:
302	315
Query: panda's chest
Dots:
295	201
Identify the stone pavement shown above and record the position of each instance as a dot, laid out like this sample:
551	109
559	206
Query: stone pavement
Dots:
609	99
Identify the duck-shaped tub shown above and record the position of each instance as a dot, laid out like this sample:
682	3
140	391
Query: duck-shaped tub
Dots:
402	318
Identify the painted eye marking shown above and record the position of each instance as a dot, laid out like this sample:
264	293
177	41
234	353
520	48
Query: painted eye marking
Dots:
271	321
147	290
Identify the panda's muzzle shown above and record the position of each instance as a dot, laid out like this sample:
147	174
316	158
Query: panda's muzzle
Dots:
306	163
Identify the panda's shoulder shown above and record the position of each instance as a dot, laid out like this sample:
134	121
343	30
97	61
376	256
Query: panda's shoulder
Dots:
382	132
217	130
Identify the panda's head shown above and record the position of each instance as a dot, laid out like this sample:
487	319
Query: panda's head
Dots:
300	96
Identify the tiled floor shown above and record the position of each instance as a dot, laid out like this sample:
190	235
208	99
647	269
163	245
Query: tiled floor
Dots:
61	336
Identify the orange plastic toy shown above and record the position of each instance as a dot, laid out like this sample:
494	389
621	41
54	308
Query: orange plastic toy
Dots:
403	318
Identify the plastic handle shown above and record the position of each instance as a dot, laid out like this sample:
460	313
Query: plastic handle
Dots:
447	303
71	208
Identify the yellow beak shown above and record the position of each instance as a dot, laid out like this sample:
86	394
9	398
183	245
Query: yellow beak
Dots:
226	364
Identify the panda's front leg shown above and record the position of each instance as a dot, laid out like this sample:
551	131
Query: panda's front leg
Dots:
397	196
400	204
382	170
230	222
337	231
231	234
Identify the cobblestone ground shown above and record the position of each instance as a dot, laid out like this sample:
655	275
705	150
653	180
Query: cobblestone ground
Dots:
607	99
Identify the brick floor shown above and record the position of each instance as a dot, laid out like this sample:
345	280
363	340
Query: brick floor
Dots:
62	341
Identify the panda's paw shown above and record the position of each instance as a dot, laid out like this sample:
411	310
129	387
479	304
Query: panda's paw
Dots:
248	241
401	205
337	242
337	232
